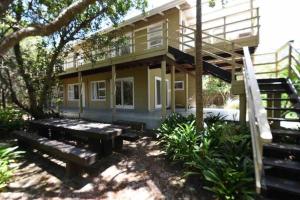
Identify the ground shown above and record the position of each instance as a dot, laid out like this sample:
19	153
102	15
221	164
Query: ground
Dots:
140	171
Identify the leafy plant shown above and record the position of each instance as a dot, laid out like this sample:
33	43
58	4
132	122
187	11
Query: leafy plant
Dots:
7	156
221	154
10	119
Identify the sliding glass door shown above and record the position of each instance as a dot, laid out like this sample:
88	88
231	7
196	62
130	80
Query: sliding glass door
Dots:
124	93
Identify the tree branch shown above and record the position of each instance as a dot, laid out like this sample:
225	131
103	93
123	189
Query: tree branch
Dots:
63	19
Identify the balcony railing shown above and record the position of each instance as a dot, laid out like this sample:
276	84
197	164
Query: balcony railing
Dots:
216	37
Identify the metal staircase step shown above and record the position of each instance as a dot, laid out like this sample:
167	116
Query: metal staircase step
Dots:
282	185
276	99
281	163
283	119
274	91
290	148
283	109
271	80
286	132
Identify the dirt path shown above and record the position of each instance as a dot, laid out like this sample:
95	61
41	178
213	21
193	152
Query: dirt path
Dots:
139	172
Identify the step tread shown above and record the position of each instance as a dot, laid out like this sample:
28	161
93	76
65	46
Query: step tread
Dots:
286	132
271	80
283	119
283	146
281	163
282	184
273	90
286	109
276	99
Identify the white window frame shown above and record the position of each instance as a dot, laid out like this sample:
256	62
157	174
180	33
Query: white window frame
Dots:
178	89
157	78
122	93
148	35
102	89
71	98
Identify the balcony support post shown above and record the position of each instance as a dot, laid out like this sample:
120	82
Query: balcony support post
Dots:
173	88
80	94
113	92
186	90
163	89
243	108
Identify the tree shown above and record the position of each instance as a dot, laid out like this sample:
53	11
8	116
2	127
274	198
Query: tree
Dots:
199	67
199	63
31	64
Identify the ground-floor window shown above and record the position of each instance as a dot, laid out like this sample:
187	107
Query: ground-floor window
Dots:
98	90
73	92
125	93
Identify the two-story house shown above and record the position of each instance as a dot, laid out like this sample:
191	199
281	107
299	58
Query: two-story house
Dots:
152	73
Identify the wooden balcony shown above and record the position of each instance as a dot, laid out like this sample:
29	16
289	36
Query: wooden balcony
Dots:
237	30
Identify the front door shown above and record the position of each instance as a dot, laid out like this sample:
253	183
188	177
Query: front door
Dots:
158	98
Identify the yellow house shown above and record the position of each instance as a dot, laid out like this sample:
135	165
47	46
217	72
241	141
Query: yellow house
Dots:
152	74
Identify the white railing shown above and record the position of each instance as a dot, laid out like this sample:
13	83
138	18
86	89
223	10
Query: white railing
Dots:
259	125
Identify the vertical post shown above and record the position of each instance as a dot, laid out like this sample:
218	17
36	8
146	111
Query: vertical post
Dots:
290	60
148	88
224	28
182	38
252	15
276	64
165	33
80	93
270	104
173	88
186	90
132	41
243	108
258	27
233	63
163	92
113	93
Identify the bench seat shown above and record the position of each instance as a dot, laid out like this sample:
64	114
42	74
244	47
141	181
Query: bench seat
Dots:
72	155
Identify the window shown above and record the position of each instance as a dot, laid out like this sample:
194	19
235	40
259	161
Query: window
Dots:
157	92
98	90
155	35
179	85
124	93
73	92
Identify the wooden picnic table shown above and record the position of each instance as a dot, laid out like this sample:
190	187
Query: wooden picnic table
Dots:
101	136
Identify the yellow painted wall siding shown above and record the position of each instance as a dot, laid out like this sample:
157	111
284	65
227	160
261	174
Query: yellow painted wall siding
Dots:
140	88
180	94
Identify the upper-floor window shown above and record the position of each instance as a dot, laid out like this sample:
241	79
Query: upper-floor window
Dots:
155	35
73	92
98	90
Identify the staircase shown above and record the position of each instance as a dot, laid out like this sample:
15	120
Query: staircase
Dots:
276	150
281	158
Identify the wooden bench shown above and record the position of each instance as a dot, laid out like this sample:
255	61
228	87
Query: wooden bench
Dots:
75	158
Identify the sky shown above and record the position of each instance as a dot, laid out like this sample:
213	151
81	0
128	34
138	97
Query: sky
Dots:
279	22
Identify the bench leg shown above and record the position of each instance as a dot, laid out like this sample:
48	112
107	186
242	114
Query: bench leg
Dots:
107	146
118	143
73	170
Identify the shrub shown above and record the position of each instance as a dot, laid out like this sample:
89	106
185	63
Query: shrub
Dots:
7	156
221	154
11	119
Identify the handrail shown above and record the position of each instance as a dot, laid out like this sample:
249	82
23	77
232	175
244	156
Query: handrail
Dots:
284	59
259	126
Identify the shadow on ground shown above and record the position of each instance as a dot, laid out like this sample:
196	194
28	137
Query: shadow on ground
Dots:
139	172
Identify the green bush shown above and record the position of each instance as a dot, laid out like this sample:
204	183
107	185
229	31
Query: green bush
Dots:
7	156
11	119
221	154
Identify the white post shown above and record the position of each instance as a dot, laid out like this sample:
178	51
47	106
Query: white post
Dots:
113	86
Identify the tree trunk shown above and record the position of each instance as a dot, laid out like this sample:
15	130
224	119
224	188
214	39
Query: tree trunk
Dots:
199	68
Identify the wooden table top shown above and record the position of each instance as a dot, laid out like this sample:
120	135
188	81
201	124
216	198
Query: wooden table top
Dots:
93	129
